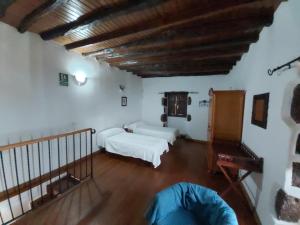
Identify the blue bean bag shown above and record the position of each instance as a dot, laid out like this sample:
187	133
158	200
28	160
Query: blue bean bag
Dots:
189	204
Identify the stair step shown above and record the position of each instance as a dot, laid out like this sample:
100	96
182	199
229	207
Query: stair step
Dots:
62	185
55	189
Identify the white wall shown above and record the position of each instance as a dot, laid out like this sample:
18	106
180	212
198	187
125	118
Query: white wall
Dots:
197	127
34	105
32	100
277	45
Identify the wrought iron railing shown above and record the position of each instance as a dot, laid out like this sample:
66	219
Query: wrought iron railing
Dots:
34	172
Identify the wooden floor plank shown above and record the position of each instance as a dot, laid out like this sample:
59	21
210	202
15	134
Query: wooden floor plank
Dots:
122	188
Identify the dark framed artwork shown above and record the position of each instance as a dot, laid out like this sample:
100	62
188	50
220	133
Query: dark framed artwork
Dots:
177	104
124	101
260	110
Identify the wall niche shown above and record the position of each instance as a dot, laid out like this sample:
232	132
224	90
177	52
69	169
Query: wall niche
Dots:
287	207
296	175
295	107
298	145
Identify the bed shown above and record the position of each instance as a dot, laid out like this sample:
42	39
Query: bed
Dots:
143	128
118	141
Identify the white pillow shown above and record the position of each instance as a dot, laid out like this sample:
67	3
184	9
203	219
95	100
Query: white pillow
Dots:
103	135
134	125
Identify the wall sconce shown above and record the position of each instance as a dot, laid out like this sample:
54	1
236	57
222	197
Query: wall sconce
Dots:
122	88
203	103
80	78
189	102
188	117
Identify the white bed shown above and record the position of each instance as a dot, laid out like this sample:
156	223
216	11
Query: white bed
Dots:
118	141
167	133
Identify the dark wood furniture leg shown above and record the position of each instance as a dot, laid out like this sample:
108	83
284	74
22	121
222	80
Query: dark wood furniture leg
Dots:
233	184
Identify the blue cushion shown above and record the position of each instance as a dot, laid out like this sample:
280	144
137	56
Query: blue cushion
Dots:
179	217
204	205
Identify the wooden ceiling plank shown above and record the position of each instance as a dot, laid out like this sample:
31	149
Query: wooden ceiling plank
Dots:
214	41
206	40
195	52
4	4
95	17
80	6
192	32
216	9
174	58
246	21
39	12
218	59
225	26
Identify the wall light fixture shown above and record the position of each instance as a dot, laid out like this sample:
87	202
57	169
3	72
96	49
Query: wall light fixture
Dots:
80	78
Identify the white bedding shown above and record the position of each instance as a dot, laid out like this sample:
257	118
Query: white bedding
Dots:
167	133
147	148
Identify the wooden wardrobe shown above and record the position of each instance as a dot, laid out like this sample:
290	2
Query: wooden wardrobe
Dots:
225	124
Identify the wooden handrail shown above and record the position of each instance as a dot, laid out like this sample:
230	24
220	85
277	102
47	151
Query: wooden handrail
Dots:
84	149
48	138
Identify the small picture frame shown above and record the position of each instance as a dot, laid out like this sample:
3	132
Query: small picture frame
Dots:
63	79
124	101
260	110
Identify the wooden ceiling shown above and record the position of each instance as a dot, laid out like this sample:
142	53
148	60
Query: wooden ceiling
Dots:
150	38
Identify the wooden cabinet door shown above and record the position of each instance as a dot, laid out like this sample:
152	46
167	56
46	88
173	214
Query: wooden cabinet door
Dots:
210	138
210	129
228	115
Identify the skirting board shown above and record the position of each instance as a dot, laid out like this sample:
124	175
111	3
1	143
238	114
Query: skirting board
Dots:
198	141
252	207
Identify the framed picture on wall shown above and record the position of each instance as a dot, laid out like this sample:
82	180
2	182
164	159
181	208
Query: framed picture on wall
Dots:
63	79
260	110
124	101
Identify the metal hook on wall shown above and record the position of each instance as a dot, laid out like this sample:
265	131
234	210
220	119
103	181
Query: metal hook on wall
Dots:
288	65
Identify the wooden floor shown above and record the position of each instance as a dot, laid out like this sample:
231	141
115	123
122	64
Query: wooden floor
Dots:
122	189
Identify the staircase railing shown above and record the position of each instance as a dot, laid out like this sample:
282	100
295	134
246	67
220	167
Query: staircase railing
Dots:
35	171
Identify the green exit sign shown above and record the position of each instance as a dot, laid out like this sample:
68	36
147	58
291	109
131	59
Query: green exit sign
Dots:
63	79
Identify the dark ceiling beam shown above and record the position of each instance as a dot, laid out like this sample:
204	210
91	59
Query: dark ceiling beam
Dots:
179	54
98	16
174	71
186	62
39	12
175	59
4	4
220	40
186	73
178	68
179	65
202	12
193	32
182	69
